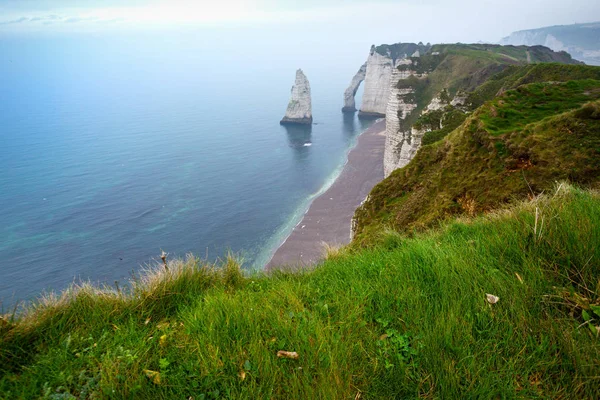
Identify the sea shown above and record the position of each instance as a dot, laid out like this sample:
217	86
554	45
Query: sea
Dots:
115	147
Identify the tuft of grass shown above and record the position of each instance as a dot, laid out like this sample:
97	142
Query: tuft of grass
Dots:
589	111
332	251
407	318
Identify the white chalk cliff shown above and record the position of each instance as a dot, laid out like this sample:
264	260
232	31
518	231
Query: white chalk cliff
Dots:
299	110
382	98
401	143
377	84
460	99
576	40
350	93
436	104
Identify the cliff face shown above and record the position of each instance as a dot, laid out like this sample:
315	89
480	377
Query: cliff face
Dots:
579	40
405	81
377	85
299	110
494	145
399	142
433	85
350	93
377	75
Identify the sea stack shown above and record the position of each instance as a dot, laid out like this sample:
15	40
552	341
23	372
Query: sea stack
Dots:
299	110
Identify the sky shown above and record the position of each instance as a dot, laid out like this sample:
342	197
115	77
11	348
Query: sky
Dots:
353	21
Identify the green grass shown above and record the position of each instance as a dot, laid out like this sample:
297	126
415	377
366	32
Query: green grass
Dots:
506	54
468	68
533	102
496	156
482	70
399	50
424	64
446	73
514	76
405	319
509	77
449	118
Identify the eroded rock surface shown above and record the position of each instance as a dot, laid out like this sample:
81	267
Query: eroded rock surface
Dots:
377	85
299	110
350	93
460	99
400	143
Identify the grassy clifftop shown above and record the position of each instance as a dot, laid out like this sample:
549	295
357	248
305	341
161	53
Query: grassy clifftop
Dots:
407	318
480	70
507	53
515	145
476	93
515	76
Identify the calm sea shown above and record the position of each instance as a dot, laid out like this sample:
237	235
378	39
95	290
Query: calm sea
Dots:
115	147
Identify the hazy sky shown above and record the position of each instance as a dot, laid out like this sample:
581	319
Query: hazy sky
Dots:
355	21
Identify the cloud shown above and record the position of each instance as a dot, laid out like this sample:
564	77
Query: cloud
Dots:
110	21
435	20
73	20
16	21
45	18
175	12
54	18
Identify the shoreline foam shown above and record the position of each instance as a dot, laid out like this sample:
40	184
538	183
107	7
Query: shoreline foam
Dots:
330	223
284	232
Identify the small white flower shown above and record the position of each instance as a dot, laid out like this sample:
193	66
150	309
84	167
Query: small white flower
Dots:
491	298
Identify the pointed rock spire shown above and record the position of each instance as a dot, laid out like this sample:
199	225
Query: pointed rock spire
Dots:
299	110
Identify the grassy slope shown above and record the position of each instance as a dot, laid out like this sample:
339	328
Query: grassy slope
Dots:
500	53
460	67
449	71
405	319
466	67
509	78
514	76
448	117
520	142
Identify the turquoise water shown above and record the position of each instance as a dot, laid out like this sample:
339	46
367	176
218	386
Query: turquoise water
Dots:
115	147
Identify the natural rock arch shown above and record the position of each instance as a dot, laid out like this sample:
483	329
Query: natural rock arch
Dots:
350	93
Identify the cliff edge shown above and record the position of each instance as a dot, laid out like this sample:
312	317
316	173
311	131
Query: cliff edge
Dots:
427	91
381	62
515	135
